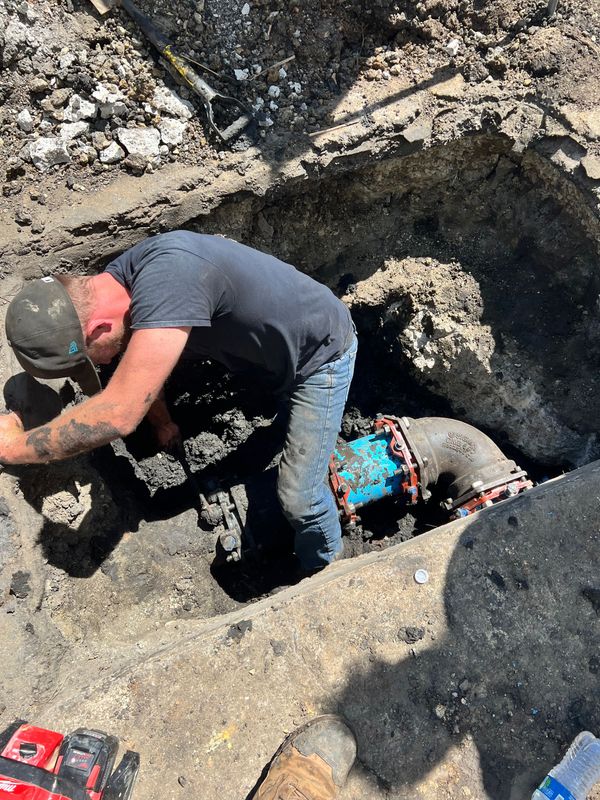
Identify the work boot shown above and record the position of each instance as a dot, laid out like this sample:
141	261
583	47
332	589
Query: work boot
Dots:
312	763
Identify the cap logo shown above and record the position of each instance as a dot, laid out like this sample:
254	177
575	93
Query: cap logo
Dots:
73	348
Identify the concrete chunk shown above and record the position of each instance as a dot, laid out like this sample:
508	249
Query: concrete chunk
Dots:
112	154
25	120
584	122
418	131
172	130
169	102
110	101
79	109
591	165
451	89
71	130
139	141
48	151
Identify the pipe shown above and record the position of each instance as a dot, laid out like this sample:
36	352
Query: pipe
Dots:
403	458
457	458
407	457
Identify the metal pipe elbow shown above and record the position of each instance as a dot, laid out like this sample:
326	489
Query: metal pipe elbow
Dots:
457	458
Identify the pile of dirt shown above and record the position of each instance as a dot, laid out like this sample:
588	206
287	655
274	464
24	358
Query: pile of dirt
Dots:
437	323
83	96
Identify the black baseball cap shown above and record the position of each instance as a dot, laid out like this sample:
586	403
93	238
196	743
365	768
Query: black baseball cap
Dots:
45	333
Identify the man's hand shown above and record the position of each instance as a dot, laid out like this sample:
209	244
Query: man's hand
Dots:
166	432
168	436
10	427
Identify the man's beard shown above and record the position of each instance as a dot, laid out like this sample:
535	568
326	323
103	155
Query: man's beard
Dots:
123	340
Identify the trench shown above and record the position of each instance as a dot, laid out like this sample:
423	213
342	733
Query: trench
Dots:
471	275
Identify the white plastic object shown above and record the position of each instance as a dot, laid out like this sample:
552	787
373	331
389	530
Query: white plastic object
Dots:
574	777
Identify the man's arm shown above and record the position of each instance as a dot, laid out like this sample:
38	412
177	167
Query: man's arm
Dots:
116	411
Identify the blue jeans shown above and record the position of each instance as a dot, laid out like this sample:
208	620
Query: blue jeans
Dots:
316	409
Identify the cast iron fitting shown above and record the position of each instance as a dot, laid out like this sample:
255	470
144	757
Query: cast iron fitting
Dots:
493	495
460	460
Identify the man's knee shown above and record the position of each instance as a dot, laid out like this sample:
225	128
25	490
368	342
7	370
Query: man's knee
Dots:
295	503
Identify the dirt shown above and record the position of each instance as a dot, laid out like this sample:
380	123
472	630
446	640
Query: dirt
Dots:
437	163
53	52
492	372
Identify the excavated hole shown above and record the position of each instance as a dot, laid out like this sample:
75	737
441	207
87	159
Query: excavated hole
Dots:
471	275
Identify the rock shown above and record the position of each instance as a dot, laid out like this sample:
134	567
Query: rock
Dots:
591	165
418	131
432	29
13	188
15	167
274	91
38	85
71	130
48	151
59	97
139	141
245	9
451	89
172	130
237	632
110	101
25	120
586	122
26	10
169	102
543	62
16	38
411	634
241	74
112	154
475	71
566	158
136	164
19	585
99	140
67	60
264	120
496	61
23	217
452	47
79	109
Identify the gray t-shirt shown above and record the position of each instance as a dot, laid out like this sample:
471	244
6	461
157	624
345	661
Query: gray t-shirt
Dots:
247	310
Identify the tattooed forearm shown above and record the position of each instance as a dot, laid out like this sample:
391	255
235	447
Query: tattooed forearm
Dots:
78	437
39	439
70	439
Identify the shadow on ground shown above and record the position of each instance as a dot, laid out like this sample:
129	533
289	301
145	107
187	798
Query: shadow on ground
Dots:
517	671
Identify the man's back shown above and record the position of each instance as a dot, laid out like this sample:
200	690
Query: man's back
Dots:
247	309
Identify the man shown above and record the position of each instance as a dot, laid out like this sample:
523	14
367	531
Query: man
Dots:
191	295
